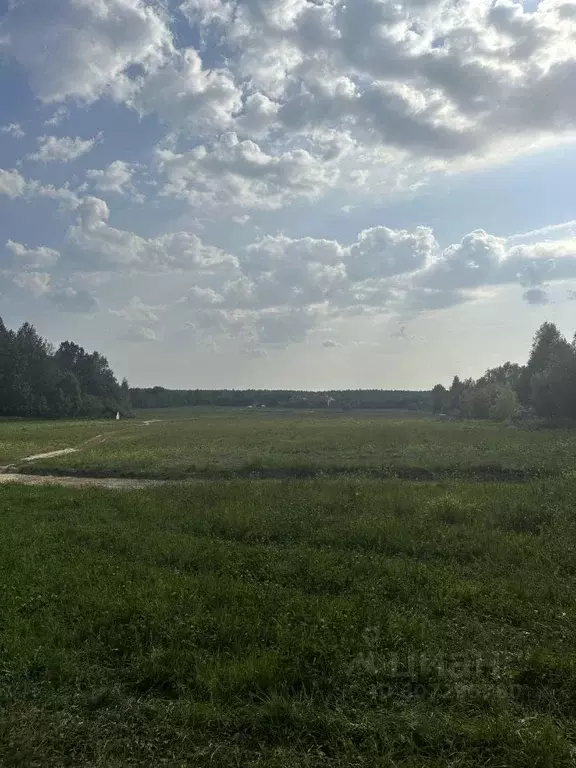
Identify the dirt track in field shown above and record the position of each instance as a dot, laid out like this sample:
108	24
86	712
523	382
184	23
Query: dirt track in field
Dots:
8	473
111	483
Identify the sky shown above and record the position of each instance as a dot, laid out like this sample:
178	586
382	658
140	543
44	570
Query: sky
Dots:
297	194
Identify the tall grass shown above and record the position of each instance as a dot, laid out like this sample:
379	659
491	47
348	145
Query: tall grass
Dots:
217	444
311	623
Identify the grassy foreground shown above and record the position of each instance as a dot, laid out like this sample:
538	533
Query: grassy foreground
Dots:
195	443
312	623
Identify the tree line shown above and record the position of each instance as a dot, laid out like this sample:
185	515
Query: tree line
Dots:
545	387
38	380
158	397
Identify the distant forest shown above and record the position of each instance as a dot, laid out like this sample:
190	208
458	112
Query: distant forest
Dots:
38	380
158	397
545	387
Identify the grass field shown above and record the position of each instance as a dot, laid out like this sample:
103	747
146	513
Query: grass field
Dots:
190	443
20	438
322	622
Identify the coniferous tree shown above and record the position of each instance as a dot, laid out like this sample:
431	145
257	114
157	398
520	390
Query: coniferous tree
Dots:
38	382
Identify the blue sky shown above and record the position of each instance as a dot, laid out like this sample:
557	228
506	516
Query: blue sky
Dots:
289	194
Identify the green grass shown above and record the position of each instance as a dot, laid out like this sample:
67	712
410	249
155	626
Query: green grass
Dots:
325	622
191	443
345	622
20	438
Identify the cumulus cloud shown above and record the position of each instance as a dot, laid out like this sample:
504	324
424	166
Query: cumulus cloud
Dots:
120	49
82	48
36	283
231	172
138	318
402	89
57	117
383	252
12	183
278	103
475	261
307	280
136	311
64	196
13	129
277	289
481	260
566	230
69	299
438	79
182	92
117	248
32	257
117	177
61	149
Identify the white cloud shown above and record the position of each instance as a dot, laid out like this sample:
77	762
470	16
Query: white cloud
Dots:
113	248
12	183
33	257
383	252
117	177
58	116
140	334
63	149
473	262
207	11
82	48
14	130
277	289
36	283
182	92
483	261
553	232
139	317
67	198
69	299
238	173
199	297
438	79
402	89
136	311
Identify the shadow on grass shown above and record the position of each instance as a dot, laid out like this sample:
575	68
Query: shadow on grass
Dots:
484	473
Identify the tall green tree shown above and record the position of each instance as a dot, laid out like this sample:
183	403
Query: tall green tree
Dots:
455	393
547	345
439	399
36	381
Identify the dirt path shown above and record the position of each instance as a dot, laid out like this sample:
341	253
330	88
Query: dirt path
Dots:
110	483
5	472
9	473
51	454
